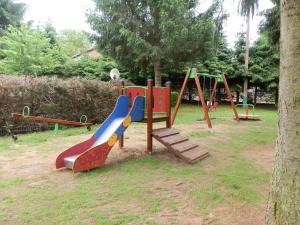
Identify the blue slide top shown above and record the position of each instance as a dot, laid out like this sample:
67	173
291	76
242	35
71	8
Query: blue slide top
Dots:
136	113
119	113
113	122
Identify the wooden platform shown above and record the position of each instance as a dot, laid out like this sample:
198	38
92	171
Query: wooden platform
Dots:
156	118
179	145
249	117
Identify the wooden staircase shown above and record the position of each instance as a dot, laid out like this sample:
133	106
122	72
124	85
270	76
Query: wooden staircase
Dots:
181	146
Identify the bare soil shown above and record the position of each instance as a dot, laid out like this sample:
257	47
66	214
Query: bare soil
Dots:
38	168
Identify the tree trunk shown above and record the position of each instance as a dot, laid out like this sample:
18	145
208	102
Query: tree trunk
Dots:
276	96
255	94
157	72
237	97
284	199
245	93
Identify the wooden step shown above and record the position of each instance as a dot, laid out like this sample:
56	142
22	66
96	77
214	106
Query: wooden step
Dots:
164	132
179	145
173	139
184	146
194	154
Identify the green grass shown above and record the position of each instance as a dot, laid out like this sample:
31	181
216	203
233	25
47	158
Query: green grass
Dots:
200	134
137	190
36	139
11	183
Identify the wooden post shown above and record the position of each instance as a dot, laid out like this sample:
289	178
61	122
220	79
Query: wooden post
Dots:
180	96
149	115
213	92
120	92
168	97
200	94
230	98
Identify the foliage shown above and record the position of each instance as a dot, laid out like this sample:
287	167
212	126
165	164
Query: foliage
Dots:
264	64
239	57
11	13
28	51
136	33
271	25
74	42
247	7
174	98
221	61
86	66
57	98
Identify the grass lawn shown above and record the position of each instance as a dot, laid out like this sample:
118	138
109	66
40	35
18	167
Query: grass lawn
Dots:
229	187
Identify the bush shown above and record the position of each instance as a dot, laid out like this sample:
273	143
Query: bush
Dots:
174	97
57	98
85	66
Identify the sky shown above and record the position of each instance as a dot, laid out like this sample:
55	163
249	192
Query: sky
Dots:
70	14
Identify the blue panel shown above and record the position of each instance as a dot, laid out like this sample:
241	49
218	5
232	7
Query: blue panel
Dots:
137	110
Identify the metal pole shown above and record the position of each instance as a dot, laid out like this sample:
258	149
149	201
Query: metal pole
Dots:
120	92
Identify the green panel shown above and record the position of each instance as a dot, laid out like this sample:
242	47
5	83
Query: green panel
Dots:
191	74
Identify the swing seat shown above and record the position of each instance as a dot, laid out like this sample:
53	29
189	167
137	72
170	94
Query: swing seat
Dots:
248	117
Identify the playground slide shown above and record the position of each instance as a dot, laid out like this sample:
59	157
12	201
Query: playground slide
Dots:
93	152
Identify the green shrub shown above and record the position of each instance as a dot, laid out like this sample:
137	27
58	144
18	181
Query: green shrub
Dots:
85	66
57	98
174	97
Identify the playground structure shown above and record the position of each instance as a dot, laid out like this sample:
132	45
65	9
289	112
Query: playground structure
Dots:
247	115
192	74
135	104
26	117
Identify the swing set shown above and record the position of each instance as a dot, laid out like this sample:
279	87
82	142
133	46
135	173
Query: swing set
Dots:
220	78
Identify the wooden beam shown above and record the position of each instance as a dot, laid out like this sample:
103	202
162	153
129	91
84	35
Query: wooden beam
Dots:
49	120
201	96
180	96
168	97
213	92
230	98
149	115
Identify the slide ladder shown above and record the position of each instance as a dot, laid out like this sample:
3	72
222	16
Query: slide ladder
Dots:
179	145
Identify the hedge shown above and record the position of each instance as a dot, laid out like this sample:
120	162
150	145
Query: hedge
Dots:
57	98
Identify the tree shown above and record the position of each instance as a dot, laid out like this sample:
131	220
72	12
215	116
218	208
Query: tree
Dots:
271	25
11	13
27	51
284	199
264	65
247	9
89	67
74	42
140	33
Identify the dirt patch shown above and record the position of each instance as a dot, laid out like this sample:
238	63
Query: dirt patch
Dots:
264	155
240	215
35	163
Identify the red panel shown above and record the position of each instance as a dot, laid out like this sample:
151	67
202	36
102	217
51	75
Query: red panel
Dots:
92	158
133	92
75	150
160	100
159	94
